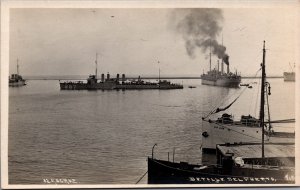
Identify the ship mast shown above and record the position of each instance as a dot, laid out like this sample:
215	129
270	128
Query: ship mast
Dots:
262	102
222	64
18	66
96	62
158	72
210	56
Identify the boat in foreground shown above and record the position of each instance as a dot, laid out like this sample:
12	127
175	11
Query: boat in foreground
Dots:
247	129
236	164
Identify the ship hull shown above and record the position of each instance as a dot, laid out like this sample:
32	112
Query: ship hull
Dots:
289	76
17	84
236	133
113	86
165	172
226	82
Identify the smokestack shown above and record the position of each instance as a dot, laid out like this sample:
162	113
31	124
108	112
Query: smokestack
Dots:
118	76
228	69
123	78
218	66
222	67
102	77
108	76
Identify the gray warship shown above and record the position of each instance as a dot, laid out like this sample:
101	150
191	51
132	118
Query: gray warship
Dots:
108	83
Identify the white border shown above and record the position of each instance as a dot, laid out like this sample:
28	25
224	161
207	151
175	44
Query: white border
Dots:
6	5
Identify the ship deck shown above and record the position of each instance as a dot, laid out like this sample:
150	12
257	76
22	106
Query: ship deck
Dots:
254	150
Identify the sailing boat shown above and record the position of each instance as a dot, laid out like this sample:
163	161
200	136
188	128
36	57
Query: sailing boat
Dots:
236	163
16	80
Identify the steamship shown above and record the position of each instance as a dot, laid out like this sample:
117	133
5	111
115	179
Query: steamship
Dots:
237	163
116	84
220	78
16	80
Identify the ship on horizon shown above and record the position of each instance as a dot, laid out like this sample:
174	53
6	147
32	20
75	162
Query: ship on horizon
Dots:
289	76
117	84
16	80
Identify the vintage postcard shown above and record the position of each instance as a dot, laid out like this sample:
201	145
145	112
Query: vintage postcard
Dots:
129	94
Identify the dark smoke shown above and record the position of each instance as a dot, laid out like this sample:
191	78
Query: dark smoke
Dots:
200	28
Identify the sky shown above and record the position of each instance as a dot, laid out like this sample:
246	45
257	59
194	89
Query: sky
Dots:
140	41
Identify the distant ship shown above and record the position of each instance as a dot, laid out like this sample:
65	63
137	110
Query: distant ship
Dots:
220	78
117	83
289	76
16	80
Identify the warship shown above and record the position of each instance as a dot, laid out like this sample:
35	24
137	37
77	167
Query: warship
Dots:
117	83
16	80
237	163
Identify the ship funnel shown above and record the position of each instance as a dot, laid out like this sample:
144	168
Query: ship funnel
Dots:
228	69
222	67
102	77
118	77
123	78
108	76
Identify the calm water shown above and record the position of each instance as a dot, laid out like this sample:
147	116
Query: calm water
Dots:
104	137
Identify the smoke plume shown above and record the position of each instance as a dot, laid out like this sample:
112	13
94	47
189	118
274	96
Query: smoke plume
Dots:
200	28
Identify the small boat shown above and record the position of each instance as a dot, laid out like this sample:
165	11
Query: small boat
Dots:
16	80
236	164
192	86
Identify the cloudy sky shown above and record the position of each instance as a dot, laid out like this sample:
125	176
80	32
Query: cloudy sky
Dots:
132	41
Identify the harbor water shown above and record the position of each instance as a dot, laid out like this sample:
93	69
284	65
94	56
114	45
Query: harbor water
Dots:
104	137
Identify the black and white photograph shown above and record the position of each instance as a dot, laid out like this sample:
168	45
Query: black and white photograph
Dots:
137	94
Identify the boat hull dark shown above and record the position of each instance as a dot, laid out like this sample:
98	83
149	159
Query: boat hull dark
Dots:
165	172
17	83
113	86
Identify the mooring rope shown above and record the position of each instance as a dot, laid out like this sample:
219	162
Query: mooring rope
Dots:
141	177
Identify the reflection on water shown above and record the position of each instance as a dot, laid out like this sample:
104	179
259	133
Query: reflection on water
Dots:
104	137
